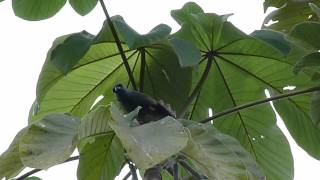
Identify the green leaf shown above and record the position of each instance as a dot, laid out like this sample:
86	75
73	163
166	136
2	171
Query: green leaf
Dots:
275	39
218	155
189	8
289	15
295	114
66	55
95	123
149	144
134	40
307	32
273	3
309	63
83	7
243	67
35	10
100	69
10	162
315	9
49	141
101	159
187	53
315	108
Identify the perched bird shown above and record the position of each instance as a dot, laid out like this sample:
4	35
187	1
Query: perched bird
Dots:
151	110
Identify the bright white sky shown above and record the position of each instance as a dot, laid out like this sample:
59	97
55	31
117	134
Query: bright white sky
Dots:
24	46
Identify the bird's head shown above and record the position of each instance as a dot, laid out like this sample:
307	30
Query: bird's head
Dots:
117	88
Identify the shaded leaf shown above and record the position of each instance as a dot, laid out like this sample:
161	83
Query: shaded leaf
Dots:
290	14
101	159
49	141
189	8
95	123
10	162
307	32
66	55
315	108
135	40
83	7
34	10
309	63
149	144
187	53
219	156
275	39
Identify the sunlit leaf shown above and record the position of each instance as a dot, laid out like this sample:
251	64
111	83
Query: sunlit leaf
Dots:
83	7
36	9
242	68
10	162
100	69
49	141
218	155
149	144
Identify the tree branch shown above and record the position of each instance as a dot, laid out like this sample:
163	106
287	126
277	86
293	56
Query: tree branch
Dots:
262	101
118	42
133	171
37	170
197	89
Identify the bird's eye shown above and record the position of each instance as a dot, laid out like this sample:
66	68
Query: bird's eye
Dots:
117	87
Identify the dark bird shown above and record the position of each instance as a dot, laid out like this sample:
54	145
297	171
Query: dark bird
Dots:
151	110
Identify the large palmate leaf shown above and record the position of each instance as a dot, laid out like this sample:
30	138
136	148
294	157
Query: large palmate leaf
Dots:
10	162
37	9
242	68
218	155
290	14
49	141
149	144
100	69
101	154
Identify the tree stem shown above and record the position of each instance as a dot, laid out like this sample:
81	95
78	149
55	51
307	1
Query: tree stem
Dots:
37	170
262	101
197	89
118	42
142	69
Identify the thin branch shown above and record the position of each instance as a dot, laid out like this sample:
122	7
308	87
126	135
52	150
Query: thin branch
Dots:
175	171
262	101
118	42
133	171
37	170
187	167
142	69
127	176
197	89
